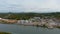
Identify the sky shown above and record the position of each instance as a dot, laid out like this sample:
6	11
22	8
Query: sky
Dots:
29	5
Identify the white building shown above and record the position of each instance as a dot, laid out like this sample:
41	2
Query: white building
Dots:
23	21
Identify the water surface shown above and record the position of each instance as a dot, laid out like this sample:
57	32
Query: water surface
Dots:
19	29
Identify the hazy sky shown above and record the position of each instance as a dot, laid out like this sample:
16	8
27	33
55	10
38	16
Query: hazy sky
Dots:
30	5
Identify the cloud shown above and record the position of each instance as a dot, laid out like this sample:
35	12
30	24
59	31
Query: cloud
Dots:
30	5
42	5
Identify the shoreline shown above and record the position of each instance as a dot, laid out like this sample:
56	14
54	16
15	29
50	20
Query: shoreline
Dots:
37	21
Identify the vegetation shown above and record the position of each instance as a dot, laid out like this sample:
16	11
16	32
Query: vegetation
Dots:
4	33
25	16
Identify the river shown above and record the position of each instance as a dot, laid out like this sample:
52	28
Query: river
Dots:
20	29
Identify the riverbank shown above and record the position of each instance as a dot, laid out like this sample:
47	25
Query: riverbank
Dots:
4	33
8	21
35	21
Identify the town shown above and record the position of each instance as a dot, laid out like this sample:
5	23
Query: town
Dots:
35	21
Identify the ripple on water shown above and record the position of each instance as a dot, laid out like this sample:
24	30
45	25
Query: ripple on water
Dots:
19	29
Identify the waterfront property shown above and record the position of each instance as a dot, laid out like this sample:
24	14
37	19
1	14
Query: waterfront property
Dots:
47	22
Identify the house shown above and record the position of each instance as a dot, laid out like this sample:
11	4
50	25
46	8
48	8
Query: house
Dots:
23	21
35	19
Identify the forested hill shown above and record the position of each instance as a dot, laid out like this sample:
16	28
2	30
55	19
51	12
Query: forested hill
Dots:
28	15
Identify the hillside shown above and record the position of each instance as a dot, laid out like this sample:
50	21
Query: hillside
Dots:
25	16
